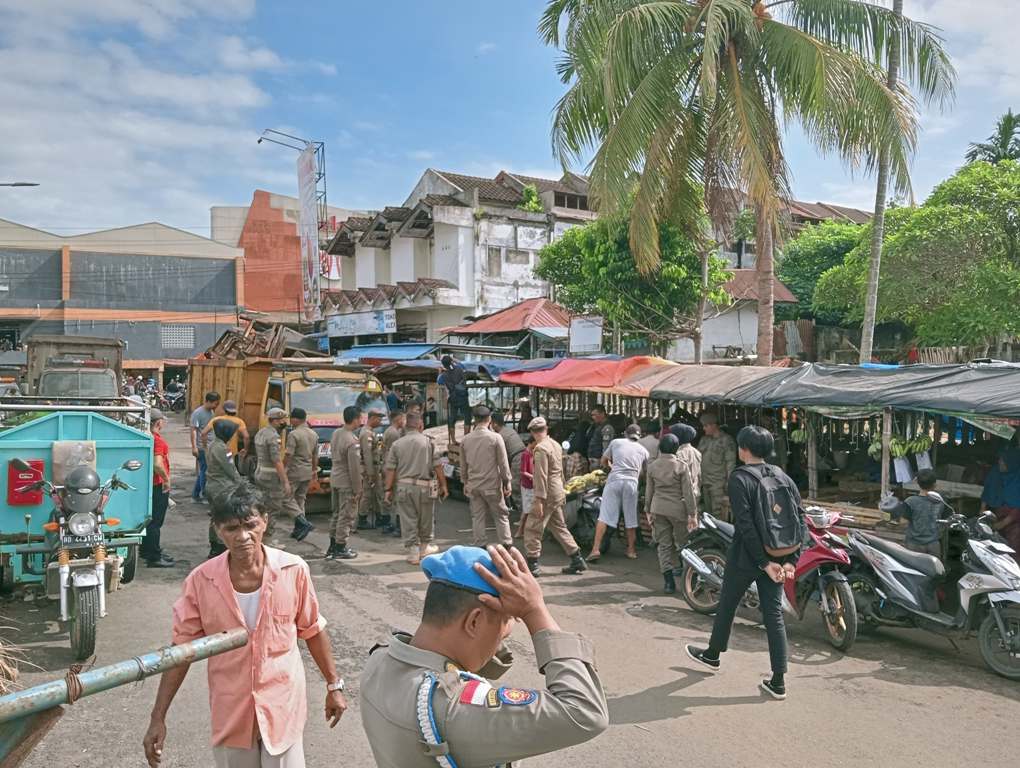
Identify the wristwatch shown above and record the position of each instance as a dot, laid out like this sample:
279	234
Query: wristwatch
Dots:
338	685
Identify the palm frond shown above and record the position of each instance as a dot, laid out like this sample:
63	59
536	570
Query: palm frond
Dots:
870	31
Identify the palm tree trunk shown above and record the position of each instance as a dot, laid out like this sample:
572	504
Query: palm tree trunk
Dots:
878	223
699	327
763	242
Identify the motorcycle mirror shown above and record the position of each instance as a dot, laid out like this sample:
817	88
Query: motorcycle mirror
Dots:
21	465
566	445
131	465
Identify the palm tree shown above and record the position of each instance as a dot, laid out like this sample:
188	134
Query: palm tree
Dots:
878	222
694	96
1004	144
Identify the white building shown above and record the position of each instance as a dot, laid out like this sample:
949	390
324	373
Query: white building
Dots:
460	246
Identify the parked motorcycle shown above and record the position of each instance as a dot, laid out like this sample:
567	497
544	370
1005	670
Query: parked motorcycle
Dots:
581	513
818	575
974	588
78	547
175	401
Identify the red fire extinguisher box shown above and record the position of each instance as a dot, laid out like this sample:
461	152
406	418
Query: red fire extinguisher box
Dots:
17	478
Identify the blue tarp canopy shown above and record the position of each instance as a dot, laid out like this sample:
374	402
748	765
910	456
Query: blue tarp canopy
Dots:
387	352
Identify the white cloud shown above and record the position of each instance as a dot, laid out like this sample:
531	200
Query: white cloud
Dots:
118	132
422	154
235	53
367	126
325	68
484	48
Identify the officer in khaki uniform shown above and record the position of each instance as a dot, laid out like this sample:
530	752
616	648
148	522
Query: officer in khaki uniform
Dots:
393	432
371	446
549	500
431	703
413	470
718	460
485	472
302	462
671	501
270	474
514	452
345	479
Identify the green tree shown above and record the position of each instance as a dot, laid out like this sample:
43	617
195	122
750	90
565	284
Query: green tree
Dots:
815	249
530	201
695	95
1004	144
992	189
592	270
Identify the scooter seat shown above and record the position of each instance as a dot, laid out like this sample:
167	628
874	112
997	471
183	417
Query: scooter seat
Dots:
726	529
929	565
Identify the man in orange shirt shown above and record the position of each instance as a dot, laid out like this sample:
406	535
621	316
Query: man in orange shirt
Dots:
259	690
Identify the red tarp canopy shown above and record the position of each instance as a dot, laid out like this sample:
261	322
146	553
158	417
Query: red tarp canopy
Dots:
632	377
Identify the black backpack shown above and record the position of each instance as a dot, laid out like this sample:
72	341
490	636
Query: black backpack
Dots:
780	509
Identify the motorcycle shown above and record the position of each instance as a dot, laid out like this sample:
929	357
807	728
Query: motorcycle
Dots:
974	588
175	401
77	570
818	575
581	513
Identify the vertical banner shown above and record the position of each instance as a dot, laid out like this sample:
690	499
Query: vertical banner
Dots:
308	227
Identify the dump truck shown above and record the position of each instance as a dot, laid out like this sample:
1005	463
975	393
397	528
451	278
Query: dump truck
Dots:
74	366
314	384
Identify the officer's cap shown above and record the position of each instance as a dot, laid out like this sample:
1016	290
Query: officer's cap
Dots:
685	433
481	412
538	422
298	413
276	413
455	568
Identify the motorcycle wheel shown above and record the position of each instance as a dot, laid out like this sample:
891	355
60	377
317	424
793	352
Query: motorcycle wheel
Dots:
863	590
997	656
841	624
84	617
701	596
178	405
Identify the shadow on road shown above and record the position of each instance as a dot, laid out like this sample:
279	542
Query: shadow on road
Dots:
662	702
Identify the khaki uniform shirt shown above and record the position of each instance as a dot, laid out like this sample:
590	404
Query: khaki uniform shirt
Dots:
669	491
302	453
390	436
548	470
478	724
483	462
267	450
691	457
718	459
413	457
651	444
511	441
346	456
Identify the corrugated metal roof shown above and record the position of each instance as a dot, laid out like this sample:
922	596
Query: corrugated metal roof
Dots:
524	316
743	286
386	352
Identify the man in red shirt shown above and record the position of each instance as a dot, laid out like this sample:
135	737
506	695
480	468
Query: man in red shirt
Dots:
151	552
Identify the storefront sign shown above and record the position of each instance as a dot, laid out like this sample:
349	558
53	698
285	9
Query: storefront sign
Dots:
362	323
586	335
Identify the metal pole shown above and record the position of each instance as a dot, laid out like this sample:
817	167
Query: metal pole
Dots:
54	693
812	458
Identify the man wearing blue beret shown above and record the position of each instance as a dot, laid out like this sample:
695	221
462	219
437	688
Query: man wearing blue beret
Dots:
427	699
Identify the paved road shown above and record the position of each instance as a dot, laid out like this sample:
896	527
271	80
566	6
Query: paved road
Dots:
901	698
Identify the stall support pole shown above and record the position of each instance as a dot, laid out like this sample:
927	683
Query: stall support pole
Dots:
886	437
812	464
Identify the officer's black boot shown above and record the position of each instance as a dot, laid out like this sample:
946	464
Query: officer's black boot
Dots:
533	566
670	583
332	549
302	528
577	564
383	521
362	522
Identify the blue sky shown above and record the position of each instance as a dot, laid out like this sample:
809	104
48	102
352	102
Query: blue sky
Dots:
136	110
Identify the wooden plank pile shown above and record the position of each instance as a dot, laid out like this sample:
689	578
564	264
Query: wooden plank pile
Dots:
259	339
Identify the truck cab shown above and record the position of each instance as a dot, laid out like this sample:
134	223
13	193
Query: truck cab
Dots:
323	394
71	376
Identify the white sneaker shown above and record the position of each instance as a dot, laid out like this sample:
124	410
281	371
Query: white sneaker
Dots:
428	549
413	558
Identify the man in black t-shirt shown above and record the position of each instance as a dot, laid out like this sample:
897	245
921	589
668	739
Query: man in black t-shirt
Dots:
748	562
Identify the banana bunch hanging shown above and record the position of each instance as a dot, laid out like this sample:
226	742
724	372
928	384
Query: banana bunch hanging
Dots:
584	482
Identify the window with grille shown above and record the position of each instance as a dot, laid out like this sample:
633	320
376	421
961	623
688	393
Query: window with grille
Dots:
495	261
174	336
515	256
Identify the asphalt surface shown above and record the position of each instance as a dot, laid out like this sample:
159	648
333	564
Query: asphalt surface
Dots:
900	698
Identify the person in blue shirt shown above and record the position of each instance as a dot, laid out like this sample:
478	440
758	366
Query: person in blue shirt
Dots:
392	400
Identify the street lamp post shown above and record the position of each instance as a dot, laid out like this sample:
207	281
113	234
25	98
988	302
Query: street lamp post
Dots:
19	184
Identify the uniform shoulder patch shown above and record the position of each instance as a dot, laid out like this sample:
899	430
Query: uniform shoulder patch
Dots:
517	697
475	692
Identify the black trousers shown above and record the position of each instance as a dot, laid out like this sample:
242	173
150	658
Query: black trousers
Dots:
738	577
150	548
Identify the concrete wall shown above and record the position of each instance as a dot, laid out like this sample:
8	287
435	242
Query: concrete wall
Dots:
144	339
422	257
226	222
366	264
172	283
515	281
737	327
447	256
272	254
402	259
29	276
430	183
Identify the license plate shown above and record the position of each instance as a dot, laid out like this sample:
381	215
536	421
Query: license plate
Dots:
325	450
81	541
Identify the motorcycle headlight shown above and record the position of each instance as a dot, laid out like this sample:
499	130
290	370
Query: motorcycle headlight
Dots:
82	524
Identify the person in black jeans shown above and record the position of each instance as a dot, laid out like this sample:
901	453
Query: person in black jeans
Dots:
747	562
151	551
